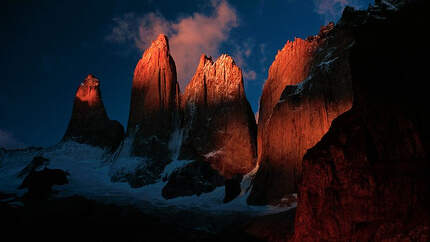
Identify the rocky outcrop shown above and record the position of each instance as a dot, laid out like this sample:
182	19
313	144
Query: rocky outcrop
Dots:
154	102
193	179
219	125
39	183
90	123
36	164
367	179
309	85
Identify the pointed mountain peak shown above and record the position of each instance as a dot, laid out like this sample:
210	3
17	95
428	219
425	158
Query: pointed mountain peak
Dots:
206	63
91	77
204	59
154	96
161	43
89	91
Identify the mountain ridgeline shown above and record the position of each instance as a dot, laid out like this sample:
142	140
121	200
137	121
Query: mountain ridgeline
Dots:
211	123
343	123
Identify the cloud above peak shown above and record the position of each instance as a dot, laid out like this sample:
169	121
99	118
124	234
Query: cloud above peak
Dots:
189	36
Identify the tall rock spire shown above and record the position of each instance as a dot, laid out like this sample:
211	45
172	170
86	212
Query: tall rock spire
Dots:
219	125
217	112
154	100
89	122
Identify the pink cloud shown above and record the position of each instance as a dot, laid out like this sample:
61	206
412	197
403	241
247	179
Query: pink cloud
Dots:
189	36
250	75
240	54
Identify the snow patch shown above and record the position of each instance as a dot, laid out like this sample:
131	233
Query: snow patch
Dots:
389	5
213	154
298	89
175	143
246	184
174	165
90	178
325	65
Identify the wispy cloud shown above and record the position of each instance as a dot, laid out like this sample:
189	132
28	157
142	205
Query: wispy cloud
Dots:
331	10
189	36
8	141
240	54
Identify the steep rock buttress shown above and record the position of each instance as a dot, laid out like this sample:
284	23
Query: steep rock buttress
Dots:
308	86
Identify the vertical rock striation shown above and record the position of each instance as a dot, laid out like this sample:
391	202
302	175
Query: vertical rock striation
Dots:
291	66
309	85
367	179
154	102
219	125
90	123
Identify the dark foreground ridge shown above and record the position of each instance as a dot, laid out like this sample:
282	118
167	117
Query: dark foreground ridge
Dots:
79	219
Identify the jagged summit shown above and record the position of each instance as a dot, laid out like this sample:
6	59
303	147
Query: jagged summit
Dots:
206	61
221	80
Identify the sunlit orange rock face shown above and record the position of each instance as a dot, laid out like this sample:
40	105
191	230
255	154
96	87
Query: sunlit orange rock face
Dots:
89	122
367	179
219	122
309	85
154	100
219	129
290	67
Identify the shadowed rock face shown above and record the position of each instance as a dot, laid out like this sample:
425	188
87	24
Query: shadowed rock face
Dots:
309	85
219	125
154	101
367	179
89	123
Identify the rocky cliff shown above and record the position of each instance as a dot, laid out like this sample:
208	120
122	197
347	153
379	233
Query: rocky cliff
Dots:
90	123
219	125
308	86
367	179
291	66
154	101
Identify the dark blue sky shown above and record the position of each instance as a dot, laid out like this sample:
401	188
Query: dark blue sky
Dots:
48	48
